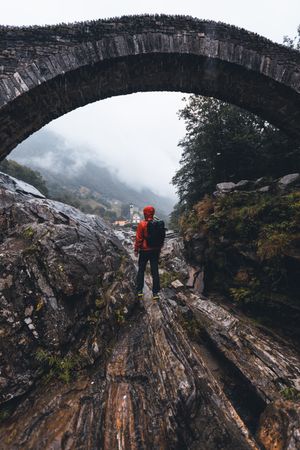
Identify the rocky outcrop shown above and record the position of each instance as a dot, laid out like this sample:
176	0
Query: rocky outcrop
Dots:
61	293
263	184
289	180
246	240
84	367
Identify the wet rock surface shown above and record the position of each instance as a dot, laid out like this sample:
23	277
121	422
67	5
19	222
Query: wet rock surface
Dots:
184	372
280	426
246	244
61	291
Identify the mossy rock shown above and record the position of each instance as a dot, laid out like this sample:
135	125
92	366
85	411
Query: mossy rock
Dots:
251	240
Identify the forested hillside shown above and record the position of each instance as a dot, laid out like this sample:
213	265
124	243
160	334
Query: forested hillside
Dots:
81	181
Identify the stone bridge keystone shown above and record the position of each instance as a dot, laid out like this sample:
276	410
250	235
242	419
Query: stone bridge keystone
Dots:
46	72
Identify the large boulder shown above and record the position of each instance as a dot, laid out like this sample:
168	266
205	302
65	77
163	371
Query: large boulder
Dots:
225	187
15	185
244	185
61	293
289	180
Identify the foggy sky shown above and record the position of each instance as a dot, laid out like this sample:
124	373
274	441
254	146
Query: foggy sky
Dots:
124	131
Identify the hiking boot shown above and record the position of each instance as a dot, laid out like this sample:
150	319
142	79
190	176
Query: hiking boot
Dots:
140	296
155	296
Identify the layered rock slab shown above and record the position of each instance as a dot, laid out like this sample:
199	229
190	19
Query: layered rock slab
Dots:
146	378
153	392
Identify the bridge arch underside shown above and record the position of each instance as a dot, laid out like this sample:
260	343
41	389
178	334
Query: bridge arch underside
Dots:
253	91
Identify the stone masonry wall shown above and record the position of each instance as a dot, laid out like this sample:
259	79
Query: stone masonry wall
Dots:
84	62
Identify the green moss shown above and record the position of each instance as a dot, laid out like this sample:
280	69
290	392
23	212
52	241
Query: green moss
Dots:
100	303
241	294
5	413
192	327
290	393
189	222
61	268
28	233
40	304
244	214
119	315
94	317
166	278
276	239
57	367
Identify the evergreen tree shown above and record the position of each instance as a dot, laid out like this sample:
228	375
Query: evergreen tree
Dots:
293	42
226	143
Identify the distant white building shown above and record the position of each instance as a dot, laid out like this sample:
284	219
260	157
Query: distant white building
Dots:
136	218
134	214
131	210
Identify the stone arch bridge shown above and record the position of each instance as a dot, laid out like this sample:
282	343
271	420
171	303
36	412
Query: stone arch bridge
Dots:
46	72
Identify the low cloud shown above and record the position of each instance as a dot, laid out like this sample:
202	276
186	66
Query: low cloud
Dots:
130	135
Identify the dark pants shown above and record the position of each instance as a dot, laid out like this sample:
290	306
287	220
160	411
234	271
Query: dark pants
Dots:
144	257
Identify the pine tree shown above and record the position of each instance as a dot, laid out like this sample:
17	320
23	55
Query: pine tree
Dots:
226	143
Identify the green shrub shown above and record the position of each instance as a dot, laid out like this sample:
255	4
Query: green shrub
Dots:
248	241
28	233
290	393
240	294
57	367
119	315
166	278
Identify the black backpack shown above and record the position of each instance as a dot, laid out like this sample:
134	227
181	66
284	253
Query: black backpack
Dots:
156	233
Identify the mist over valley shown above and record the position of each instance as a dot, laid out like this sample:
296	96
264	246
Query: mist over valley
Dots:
78	176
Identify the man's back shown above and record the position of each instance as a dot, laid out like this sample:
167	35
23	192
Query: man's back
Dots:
148	250
142	235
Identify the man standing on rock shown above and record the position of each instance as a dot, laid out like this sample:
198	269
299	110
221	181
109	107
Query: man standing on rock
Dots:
150	235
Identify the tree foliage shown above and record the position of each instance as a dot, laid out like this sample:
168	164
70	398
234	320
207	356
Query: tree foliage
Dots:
293	42
226	143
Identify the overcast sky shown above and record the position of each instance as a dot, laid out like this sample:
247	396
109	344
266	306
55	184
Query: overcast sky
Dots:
122	130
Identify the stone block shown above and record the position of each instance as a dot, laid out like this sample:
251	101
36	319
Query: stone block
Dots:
289	180
177	284
244	185
264	189
225	187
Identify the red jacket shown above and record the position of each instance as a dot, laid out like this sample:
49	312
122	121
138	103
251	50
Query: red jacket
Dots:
141	232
